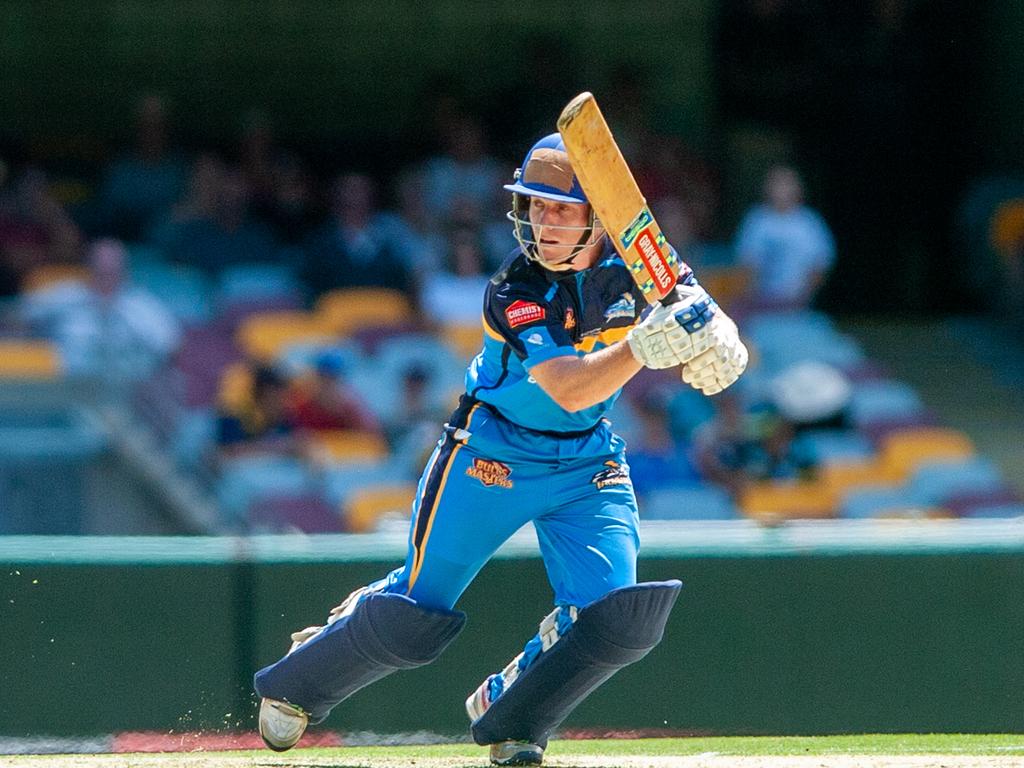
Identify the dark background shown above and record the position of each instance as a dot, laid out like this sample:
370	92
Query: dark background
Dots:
891	108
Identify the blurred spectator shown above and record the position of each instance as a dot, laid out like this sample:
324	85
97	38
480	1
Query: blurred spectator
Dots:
226	235
142	183
463	172
256	419
323	400
786	245
199	202
656	460
413	228
812	395
107	327
1006	235
741	446
289	209
452	295
34	228
411	426
350	249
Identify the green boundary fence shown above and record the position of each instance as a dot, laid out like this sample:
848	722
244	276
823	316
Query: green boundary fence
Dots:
799	630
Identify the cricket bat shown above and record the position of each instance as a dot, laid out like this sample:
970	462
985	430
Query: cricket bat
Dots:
616	198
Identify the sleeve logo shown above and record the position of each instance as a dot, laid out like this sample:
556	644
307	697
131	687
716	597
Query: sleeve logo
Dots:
521	312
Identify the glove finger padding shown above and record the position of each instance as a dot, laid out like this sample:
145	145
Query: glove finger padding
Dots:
674	334
721	365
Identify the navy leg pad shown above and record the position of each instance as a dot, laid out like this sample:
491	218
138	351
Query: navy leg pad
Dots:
384	633
609	634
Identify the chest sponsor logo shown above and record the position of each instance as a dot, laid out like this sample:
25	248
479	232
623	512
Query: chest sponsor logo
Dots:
521	312
624	307
615	474
490	473
570	320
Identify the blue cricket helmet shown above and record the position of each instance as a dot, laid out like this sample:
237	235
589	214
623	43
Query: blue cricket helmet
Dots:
546	172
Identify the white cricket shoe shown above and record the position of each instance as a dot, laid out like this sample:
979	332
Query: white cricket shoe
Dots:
281	724
516	753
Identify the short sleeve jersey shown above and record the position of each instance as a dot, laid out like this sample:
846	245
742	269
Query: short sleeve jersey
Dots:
532	315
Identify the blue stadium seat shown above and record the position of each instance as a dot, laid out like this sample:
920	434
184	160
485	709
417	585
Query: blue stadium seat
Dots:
688	503
935	482
1013	509
825	446
875	401
870	501
185	291
247	479
245	282
339	483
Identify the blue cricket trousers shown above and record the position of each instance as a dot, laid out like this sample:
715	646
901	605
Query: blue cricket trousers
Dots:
488	477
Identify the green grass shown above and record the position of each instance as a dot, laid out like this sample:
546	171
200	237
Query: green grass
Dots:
870	744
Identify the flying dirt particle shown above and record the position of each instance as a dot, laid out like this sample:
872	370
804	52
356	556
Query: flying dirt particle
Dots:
35	581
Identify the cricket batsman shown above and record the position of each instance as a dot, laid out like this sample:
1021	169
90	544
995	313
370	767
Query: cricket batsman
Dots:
565	327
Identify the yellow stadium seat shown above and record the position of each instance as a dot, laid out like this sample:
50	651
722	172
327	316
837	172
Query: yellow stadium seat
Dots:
348	310
266	335
726	284
235	391
33	360
903	452
784	500
367	506
841	476
465	340
50	274
350	446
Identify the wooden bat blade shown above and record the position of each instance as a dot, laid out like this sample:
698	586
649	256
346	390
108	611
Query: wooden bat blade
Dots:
616	198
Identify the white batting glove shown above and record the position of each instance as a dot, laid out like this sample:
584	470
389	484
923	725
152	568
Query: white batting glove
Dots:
674	334
719	366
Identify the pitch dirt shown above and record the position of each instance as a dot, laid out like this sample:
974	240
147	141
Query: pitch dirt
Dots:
299	760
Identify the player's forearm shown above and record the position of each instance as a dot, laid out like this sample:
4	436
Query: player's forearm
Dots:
576	383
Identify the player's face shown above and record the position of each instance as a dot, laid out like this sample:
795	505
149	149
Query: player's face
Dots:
557	228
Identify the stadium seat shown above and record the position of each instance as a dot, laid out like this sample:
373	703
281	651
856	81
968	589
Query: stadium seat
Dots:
305	512
245	480
831	446
842	476
339	483
779	499
874	401
871	501
934	482
688	503
1011	509
347	310
185	291
903	452
366	506
256	281
350	446
466	341
47	275
28	359
266	336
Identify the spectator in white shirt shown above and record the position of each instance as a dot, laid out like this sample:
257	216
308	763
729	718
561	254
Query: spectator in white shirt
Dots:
786	245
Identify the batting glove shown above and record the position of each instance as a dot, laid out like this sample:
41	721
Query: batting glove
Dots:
720	365
674	334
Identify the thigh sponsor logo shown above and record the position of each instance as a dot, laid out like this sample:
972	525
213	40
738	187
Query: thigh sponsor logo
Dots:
490	473
615	474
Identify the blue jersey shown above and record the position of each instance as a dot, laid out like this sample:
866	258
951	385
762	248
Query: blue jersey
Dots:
532	314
